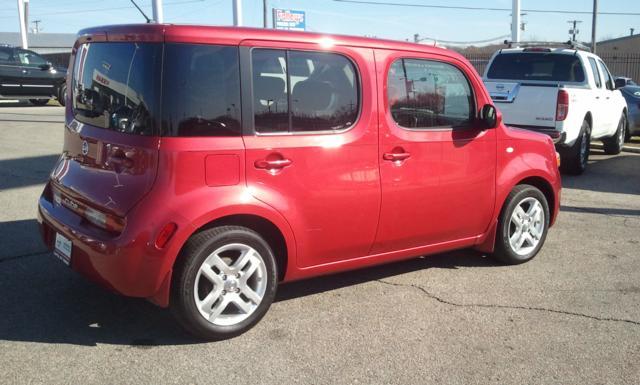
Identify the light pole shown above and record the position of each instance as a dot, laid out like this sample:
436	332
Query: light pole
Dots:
237	13
23	27
593	26
515	23
158	14
264	14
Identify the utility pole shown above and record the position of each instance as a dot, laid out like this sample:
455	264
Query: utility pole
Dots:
515	23
23	26
593	26
416	38
574	31
36	29
264	14
631	31
158	14
237	13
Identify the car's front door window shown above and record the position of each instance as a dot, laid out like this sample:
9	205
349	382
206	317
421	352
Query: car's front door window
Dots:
30	59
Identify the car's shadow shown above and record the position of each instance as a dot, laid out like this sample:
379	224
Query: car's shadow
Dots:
601	171
43	301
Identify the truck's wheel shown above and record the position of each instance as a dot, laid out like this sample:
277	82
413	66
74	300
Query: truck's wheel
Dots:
575	158
223	283
39	102
613	145
62	94
523	224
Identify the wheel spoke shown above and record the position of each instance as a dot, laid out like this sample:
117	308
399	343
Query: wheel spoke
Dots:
215	260
521	239
242	305
207	303
515	237
252	295
245	257
219	308
211	275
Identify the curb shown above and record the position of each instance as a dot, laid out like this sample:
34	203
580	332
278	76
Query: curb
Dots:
635	150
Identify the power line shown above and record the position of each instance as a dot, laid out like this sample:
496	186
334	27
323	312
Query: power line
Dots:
483	8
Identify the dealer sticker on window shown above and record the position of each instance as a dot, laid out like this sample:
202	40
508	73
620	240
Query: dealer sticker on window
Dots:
62	249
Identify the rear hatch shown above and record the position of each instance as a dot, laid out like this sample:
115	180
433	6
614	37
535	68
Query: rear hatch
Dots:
524	84
110	155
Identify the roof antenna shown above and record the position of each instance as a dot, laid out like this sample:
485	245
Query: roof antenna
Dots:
141	11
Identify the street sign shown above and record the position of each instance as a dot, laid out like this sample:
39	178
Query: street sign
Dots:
289	19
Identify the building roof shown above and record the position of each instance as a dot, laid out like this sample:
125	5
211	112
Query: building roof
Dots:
40	40
620	39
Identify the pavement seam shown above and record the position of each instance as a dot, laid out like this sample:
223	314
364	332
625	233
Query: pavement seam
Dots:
15	257
514	307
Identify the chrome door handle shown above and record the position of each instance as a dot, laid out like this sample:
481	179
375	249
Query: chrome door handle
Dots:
272	164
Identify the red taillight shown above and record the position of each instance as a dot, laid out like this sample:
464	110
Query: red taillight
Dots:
562	105
165	234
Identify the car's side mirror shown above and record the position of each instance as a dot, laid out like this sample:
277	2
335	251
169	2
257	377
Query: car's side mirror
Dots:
619	83
46	66
489	116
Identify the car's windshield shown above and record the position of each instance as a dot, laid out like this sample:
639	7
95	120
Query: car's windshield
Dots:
536	66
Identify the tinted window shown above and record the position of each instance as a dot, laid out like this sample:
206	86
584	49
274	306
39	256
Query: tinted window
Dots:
424	94
596	74
116	86
201	91
536	66
296	91
6	56
607	77
29	58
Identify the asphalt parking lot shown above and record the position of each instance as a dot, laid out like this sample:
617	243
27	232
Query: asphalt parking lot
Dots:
570	316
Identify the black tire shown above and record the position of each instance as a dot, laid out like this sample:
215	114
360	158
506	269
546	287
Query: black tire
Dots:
191	258
39	102
504	251
574	159
613	145
62	94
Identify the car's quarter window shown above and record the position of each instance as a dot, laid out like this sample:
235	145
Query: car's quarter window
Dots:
608	81
303	91
596	74
425	94
29	58
200	90
6	56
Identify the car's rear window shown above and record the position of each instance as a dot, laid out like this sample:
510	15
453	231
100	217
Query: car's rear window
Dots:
116	86
536	66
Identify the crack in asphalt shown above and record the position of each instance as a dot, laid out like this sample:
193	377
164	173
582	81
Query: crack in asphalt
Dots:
514	307
15	257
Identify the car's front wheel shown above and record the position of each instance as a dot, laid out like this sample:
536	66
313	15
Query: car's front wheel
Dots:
223	283
523	224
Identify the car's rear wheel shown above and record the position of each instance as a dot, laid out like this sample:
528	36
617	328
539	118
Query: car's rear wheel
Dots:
576	157
62	94
224	282
613	145
523	224
39	102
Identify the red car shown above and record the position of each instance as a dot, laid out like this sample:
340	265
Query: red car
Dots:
202	166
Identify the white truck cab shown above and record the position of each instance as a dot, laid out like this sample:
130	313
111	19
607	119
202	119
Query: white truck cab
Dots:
565	93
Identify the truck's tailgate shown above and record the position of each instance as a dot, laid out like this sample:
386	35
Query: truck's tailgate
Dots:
525	104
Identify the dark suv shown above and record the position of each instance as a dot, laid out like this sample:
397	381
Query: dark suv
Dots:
26	75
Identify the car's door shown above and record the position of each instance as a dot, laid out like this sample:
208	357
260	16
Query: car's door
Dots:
10	73
612	113
311	142
437	164
37	77
598	100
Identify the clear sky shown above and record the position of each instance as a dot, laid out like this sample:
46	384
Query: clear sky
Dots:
330	16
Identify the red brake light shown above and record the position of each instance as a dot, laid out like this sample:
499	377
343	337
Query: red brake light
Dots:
562	105
165	234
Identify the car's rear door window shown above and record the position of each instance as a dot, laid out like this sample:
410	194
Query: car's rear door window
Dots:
303	91
425	94
201	90
116	86
596	74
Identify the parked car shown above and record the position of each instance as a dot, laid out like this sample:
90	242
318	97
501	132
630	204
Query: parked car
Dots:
204	165
622	81
566	93
631	94
25	75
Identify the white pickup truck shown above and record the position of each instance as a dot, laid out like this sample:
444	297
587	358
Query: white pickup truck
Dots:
565	93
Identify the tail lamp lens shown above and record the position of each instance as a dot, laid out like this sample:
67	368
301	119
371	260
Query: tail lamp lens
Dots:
562	105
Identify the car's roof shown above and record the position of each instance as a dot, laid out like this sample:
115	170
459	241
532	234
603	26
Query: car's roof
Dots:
235	35
554	50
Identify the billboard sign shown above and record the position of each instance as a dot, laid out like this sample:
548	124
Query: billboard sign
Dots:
289	19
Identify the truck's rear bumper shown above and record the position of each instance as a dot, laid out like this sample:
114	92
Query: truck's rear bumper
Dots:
558	137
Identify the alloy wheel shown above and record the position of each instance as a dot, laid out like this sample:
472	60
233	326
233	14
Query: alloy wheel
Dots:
526	226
